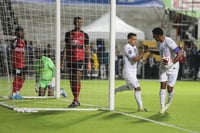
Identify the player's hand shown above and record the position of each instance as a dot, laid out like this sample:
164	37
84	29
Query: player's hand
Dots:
169	65
167	62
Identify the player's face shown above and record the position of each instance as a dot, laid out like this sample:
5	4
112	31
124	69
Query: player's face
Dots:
20	34
156	37
132	40
78	23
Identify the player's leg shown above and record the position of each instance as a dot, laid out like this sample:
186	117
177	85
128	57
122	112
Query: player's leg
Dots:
129	78
42	88
138	99
163	84
76	83
171	82
50	92
75	88
50	87
18	83
133	83
123	88
162	93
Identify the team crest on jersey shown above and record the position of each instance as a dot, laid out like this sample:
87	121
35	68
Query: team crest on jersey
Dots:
130	52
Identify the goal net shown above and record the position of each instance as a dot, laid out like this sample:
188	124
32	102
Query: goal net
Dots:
38	18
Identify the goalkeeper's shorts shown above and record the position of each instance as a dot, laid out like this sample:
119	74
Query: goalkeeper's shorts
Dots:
44	83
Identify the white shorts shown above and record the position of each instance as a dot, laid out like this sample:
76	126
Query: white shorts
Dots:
131	78
169	75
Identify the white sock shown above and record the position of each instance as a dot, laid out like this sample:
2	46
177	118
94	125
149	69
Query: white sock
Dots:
122	88
14	94
162	97
170	97
138	98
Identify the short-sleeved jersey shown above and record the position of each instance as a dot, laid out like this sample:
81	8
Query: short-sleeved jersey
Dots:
45	69
166	48
75	42
129	53
18	48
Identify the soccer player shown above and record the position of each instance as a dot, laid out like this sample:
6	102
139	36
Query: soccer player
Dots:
75	51
130	58
45	74
169	66
18	63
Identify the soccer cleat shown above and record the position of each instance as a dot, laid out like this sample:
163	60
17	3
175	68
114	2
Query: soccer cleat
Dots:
63	93
165	108
74	104
17	97
143	110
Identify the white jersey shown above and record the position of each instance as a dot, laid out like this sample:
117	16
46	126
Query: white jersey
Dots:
129	53
130	66
166	50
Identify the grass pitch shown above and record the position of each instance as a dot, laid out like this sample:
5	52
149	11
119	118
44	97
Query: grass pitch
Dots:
182	116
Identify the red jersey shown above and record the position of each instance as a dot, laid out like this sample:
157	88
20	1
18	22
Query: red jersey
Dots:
18	53
75	45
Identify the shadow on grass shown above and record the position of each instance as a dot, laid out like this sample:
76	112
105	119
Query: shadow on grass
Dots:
158	117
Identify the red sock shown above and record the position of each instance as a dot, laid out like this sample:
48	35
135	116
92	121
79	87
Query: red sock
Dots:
75	90
17	84
21	82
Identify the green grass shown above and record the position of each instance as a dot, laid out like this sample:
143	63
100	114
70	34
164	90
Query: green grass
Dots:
182	116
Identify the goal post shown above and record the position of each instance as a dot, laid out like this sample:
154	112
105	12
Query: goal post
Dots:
45	23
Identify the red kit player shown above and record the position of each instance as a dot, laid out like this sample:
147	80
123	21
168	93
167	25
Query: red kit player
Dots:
75	52
18	63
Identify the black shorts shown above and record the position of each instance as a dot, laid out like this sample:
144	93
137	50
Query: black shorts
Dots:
75	66
20	71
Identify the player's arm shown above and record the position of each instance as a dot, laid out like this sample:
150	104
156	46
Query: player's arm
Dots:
87	52
138	58
179	53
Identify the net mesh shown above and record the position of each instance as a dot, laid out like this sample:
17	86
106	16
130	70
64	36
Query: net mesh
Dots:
38	19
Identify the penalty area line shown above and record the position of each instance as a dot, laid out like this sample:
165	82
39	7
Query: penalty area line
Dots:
156	122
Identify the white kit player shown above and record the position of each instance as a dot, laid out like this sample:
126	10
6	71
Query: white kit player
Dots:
130	59
169	66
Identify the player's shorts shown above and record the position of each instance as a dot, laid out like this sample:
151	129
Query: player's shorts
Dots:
74	66
19	71
169	75
44	83
130	77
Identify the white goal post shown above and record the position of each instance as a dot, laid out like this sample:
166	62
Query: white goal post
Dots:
45	23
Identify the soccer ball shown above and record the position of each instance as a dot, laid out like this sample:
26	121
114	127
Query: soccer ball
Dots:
167	62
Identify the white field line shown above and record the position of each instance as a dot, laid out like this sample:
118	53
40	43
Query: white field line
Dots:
156	122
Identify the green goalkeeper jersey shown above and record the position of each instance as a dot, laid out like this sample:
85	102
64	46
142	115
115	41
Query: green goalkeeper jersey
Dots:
45	69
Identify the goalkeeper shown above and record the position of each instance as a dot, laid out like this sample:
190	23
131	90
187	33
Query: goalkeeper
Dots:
45	74
169	66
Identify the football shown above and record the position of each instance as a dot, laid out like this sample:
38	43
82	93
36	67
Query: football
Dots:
167	62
